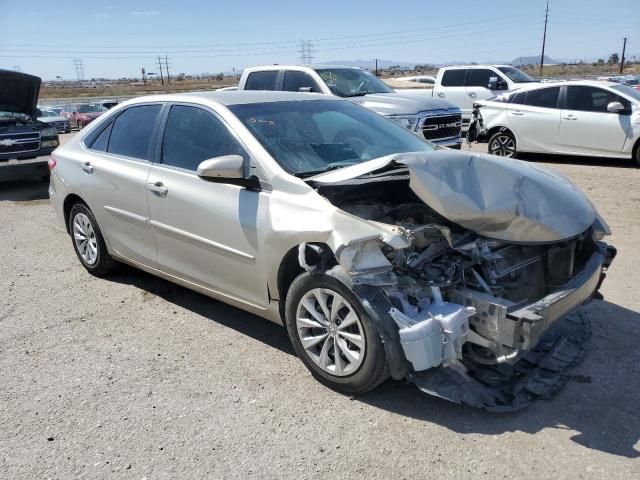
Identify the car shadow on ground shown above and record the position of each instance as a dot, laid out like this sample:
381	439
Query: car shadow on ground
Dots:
576	160
604	417
24	190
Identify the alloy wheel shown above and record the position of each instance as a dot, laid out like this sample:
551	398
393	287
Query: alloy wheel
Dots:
85	238
330	332
503	146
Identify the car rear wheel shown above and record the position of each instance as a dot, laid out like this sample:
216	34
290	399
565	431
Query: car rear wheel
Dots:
88	241
332	334
503	144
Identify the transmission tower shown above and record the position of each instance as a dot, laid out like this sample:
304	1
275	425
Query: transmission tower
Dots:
17	68
306	52
78	64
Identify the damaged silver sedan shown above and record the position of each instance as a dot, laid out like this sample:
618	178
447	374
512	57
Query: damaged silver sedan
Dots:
382	255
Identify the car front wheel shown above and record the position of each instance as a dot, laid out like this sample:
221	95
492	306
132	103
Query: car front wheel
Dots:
503	144
332	334
88	241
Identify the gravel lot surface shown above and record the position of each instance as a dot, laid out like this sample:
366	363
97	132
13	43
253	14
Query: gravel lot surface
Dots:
134	377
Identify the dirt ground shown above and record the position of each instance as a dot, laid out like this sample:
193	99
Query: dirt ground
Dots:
134	377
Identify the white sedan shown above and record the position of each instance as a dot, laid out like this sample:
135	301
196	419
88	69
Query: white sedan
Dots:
572	118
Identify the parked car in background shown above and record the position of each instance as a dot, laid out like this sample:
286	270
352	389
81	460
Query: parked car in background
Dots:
572	118
108	103
436	120
54	108
81	114
61	124
375	255
463	85
25	141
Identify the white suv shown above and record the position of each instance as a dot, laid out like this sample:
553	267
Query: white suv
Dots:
575	118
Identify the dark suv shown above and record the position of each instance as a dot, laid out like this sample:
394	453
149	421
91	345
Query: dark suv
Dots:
25	142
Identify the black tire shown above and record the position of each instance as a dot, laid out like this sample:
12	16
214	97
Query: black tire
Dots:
373	369
104	263
502	144
636	154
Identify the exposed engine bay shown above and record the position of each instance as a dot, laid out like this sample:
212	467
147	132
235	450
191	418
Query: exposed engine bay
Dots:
456	295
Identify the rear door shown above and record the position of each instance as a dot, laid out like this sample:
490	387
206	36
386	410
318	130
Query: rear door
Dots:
587	127
262	80
534	116
454	90
207	233
113	180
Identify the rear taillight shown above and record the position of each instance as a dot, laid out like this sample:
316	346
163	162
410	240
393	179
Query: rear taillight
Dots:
52	162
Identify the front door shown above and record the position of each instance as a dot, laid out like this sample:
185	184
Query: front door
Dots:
587	127
206	233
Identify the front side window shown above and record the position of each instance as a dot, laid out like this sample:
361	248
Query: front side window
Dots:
193	135
518	98
543	97
294	81
310	137
479	77
454	78
132	130
262	80
516	75
352	82
592	99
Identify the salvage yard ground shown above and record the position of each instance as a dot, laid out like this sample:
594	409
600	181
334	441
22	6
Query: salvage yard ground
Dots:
135	377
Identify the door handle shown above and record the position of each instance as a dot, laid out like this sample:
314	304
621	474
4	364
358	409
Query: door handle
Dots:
570	117
517	112
158	188
86	166
441	95
472	94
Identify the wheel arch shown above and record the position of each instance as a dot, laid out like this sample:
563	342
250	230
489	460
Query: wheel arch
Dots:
69	201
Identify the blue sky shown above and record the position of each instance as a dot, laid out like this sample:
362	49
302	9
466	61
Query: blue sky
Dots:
116	38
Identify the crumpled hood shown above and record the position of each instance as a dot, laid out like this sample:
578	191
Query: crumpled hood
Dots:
495	197
401	104
18	92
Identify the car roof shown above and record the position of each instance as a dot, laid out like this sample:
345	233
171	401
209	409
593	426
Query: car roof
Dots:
310	67
588	83
238	97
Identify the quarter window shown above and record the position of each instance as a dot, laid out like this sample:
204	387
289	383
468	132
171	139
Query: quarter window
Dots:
193	135
131	131
592	99
543	97
294	81
454	78
262	80
479	77
101	142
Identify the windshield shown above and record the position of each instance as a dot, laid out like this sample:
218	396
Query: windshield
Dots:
310	137
628	91
352	82
49	113
515	75
86	108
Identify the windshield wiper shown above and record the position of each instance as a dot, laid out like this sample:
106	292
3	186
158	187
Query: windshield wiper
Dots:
311	173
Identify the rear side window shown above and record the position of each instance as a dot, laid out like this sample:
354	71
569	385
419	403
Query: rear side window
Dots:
131	131
294	81
543	97
262	80
101	142
454	78
193	135
479	77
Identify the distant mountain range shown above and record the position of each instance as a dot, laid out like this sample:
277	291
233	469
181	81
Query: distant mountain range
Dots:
532	60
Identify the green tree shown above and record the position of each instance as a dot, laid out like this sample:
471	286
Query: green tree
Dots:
614	58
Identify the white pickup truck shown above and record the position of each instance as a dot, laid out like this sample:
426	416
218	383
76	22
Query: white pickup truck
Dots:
463	85
437	120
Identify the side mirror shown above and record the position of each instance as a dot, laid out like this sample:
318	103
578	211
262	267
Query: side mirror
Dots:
615	107
225	167
493	83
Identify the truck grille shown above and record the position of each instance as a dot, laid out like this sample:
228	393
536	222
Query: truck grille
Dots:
446	126
19	142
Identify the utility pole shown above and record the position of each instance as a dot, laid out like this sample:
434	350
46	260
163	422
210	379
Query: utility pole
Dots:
544	38
624	47
376	67
160	67
166	64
